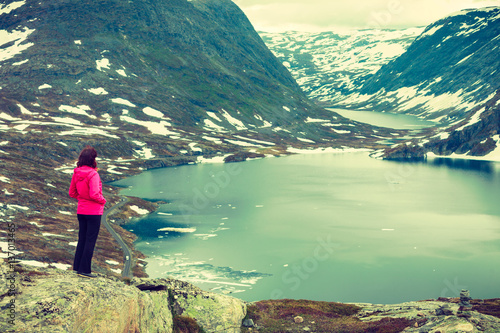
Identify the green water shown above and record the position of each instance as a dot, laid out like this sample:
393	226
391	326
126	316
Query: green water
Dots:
333	227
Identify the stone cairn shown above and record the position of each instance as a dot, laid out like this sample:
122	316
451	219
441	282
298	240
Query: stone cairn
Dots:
465	307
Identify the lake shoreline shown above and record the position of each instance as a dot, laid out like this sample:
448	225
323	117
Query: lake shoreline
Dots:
390	187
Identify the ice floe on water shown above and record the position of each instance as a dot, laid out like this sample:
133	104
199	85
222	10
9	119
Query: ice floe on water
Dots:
179	230
203	274
205	236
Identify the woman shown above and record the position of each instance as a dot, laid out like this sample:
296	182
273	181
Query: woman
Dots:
86	186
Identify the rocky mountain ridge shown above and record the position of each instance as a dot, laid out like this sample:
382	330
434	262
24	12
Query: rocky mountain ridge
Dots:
331	66
448	73
438	73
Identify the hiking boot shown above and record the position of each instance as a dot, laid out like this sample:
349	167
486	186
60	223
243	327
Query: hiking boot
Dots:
87	275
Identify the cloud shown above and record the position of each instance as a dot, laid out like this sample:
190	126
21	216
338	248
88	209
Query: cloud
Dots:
281	15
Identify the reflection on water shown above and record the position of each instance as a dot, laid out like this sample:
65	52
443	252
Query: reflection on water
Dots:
335	227
485	167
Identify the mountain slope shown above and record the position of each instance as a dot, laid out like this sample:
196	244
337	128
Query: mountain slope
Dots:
331	66
475	137
199	54
451	68
449	73
158	67
149	83
439	73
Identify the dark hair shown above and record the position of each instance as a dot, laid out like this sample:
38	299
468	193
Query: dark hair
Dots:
87	157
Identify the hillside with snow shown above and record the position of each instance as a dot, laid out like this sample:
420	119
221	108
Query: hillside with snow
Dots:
331	66
446	72
437	73
149	84
451	68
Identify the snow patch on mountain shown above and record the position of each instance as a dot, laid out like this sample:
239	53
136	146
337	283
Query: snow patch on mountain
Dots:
427	72
6	9
13	42
330	65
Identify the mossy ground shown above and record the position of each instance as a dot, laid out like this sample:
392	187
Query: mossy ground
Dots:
278	316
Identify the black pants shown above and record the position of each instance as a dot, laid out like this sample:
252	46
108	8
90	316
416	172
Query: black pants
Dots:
87	237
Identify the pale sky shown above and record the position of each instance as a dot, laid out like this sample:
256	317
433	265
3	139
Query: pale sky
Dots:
321	15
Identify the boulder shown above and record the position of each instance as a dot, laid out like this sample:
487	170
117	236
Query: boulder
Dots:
61	301
213	312
54	300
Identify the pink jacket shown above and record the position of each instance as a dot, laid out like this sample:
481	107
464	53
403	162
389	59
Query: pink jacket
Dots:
86	186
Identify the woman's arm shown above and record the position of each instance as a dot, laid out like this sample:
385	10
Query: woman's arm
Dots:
95	189
72	188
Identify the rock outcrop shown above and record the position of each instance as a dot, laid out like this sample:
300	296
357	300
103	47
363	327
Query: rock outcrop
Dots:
441	315
53	300
432	316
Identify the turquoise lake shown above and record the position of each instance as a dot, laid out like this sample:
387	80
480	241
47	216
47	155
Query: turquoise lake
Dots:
386	119
335	227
